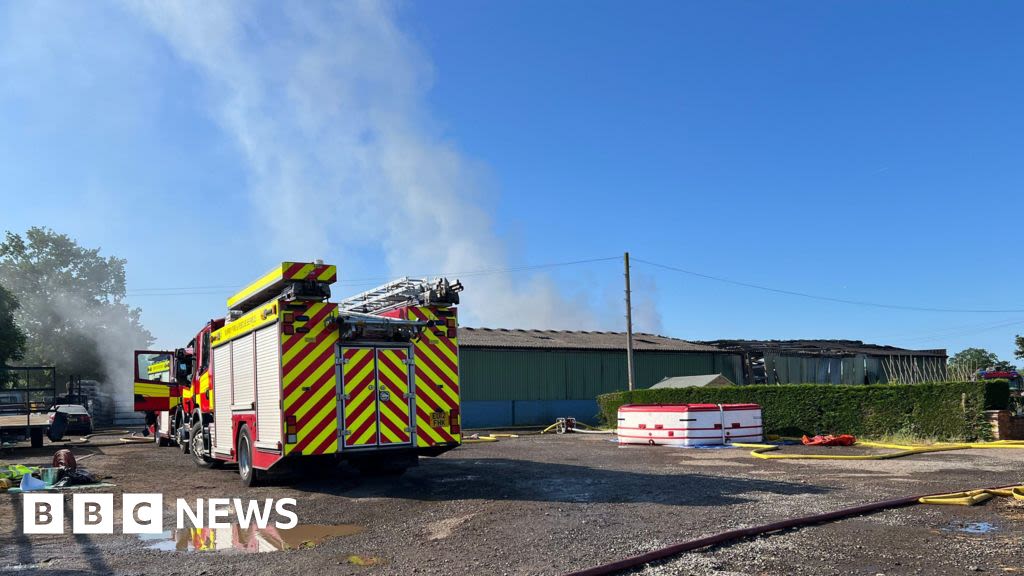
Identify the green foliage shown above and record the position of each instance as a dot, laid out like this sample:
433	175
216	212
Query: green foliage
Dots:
12	338
1019	353
973	359
945	410
72	304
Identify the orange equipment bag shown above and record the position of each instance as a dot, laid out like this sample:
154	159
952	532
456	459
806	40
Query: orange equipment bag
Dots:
830	440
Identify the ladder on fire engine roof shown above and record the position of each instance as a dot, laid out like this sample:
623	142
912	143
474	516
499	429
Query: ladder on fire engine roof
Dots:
394	293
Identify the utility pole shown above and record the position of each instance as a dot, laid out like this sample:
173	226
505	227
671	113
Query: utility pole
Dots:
629	328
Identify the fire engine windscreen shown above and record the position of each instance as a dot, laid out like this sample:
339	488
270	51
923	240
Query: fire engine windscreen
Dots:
154	367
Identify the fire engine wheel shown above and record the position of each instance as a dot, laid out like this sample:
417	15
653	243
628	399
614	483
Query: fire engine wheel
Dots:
158	440
181	433
197	449
249	474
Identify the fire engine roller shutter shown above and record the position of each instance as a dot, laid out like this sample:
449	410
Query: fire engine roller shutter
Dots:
268	387
393	396
243	372
221	371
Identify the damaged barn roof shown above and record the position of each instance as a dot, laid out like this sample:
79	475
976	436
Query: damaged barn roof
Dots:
576	340
820	348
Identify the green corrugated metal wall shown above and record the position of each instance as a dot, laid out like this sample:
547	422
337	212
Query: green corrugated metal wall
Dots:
860	369
516	374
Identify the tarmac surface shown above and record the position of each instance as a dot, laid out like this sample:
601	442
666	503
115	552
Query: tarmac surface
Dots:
550	505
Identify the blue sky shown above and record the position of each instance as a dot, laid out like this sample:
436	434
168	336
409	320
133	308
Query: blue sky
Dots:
865	151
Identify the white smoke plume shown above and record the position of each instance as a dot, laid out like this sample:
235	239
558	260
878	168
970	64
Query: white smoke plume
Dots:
108	338
646	317
326	101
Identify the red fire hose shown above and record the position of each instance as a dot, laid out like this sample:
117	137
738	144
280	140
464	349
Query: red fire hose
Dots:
662	553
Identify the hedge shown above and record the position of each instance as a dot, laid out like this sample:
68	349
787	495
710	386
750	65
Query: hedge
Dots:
941	410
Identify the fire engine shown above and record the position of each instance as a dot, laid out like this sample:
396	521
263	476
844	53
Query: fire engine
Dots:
288	375
1012	376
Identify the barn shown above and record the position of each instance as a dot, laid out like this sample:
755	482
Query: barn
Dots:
530	377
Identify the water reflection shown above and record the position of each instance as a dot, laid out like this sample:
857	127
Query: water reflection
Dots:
235	539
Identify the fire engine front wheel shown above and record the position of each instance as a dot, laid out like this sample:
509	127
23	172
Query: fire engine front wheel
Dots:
250	475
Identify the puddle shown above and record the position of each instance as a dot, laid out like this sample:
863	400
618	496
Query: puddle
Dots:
237	540
972	528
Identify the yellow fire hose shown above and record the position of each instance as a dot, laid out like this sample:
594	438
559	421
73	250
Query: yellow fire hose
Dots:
972	497
760	450
561	426
549	428
136	439
487	438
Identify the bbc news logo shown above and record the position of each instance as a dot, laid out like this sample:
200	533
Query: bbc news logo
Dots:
144	513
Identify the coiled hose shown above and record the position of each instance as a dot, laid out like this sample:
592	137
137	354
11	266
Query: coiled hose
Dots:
759	450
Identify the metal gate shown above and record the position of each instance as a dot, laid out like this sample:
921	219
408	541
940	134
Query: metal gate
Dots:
376	396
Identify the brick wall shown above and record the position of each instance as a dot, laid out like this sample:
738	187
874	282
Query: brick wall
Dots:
1006	426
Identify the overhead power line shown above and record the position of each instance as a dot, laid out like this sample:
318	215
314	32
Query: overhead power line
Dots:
828	298
950	330
959	333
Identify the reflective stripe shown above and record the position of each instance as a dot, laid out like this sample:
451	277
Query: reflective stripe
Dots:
436	379
360	386
155	397
308	378
393	376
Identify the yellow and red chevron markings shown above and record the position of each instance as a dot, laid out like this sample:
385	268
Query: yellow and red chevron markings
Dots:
393	378
304	271
437	378
359	375
308	379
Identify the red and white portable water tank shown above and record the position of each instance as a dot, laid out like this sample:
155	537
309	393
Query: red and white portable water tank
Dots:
689	424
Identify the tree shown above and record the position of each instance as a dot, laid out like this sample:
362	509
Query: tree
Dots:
12	338
1019	354
72	305
973	359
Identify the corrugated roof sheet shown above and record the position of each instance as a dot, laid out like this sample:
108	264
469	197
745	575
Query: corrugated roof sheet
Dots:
574	340
694	381
821	348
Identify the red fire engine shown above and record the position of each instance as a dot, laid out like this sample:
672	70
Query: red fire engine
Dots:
289	375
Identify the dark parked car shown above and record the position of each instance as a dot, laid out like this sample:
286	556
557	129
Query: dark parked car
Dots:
78	418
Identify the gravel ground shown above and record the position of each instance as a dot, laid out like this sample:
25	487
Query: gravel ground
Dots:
553	504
